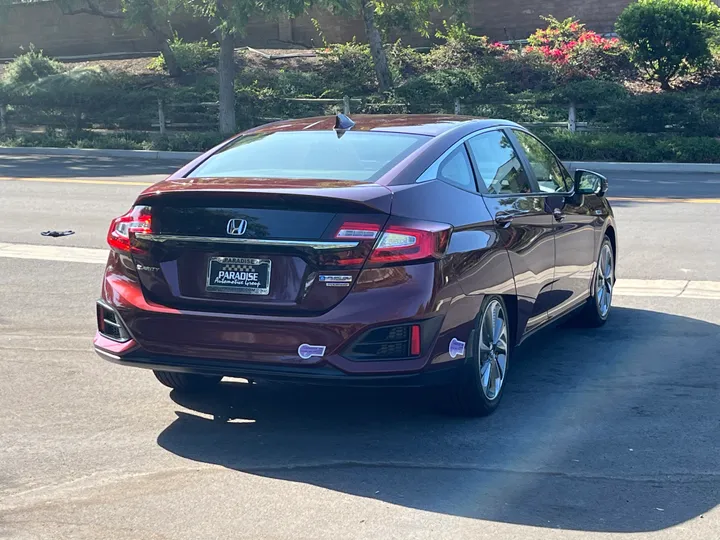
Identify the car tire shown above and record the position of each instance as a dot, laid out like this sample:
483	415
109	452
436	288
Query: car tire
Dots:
597	309
479	389
187	382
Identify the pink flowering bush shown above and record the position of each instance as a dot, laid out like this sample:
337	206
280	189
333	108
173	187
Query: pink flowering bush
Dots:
579	53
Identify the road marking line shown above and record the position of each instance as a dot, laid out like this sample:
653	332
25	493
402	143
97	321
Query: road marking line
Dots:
657	288
53	253
650	287
664	200
76	181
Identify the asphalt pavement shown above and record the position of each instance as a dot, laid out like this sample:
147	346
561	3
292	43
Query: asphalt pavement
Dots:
602	434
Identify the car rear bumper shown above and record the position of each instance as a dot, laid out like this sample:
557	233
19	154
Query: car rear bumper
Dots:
321	374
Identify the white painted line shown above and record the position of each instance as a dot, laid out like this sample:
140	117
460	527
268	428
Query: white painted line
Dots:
650	287
53	253
658	288
707	290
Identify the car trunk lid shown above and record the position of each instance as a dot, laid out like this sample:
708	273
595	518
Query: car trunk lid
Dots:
253	245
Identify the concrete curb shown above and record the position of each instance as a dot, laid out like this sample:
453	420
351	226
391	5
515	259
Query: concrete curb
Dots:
600	166
92	152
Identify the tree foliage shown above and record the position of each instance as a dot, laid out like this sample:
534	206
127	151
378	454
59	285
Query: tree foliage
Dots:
669	38
229	19
151	16
379	16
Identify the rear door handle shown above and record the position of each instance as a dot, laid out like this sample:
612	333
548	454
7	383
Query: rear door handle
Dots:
558	215
504	219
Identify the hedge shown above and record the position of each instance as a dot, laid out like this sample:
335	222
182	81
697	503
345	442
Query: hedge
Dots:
633	147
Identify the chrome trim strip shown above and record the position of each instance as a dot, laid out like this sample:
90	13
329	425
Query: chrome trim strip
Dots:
313	244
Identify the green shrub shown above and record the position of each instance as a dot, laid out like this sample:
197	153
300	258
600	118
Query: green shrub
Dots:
462	49
348	69
519	73
188	142
690	113
590	92
632	147
406	62
440	87
124	140
30	67
669	38
191	56
283	82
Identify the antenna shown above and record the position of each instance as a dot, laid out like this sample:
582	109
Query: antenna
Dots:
343	123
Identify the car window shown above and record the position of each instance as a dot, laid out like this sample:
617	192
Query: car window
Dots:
498	165
321	155
548	172
457	170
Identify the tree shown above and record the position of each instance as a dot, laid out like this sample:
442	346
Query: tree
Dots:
230	18
379	16
668	38
151	16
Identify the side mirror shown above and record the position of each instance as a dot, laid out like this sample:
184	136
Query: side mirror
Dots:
590	183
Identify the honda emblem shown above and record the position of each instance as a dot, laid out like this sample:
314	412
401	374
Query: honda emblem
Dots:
237	227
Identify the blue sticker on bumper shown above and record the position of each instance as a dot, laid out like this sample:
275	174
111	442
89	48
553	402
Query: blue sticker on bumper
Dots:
457	348
308	351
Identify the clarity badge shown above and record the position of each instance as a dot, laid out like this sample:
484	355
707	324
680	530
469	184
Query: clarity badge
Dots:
308	351
457	348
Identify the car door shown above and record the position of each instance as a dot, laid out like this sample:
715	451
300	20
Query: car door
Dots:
523	221
573	225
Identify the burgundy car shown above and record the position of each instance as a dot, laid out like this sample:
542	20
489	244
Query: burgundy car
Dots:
382	250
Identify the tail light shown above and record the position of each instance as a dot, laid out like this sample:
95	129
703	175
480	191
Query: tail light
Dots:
137	220
397	243
401	244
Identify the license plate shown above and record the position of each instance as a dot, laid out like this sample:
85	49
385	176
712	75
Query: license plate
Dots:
238	275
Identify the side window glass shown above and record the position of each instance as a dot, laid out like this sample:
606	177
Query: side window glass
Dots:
569	182
498	164
457	170
547	170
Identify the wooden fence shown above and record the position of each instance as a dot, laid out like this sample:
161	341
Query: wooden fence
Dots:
202	116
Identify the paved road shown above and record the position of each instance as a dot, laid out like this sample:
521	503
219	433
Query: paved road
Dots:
601	432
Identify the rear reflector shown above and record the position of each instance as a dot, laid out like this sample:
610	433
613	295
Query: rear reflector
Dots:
401	342
415	340
137	220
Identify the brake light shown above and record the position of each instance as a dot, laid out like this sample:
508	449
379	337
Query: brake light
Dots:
137	220
400	244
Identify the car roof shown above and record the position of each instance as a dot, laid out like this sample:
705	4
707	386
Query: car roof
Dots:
431	125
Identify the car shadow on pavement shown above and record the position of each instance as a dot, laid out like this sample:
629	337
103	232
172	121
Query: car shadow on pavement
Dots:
610	430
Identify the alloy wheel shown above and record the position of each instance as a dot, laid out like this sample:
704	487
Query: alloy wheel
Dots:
493	349
604	281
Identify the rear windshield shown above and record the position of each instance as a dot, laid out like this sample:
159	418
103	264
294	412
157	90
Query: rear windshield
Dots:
359	156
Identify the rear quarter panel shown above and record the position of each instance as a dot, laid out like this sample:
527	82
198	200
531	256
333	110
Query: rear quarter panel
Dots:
476	263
